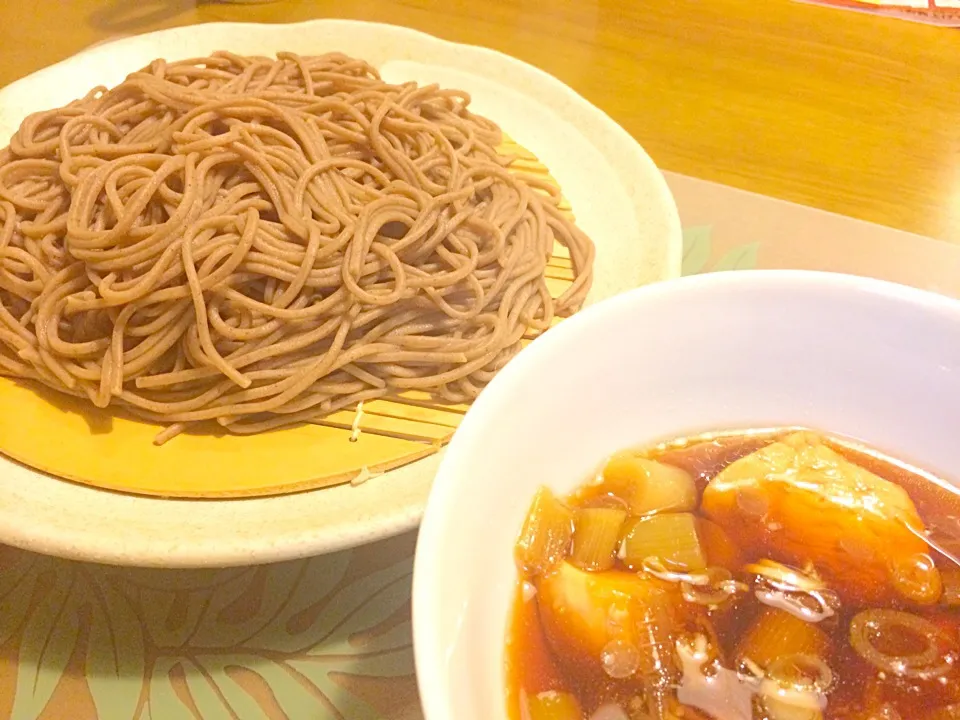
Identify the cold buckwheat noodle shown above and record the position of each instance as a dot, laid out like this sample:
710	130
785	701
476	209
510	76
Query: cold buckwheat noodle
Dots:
264	241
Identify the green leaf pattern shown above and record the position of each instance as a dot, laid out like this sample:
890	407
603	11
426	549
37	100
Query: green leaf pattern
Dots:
363	605
162	701
115	653
742	257
698	250
48	641
169	645
17	586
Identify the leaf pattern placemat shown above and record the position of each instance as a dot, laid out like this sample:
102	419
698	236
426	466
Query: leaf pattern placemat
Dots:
325	637
329	638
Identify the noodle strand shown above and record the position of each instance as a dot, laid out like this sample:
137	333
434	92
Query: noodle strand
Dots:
259	242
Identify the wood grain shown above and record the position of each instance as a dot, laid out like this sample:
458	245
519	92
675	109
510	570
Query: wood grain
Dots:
839	110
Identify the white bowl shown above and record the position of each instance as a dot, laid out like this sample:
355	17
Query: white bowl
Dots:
858	357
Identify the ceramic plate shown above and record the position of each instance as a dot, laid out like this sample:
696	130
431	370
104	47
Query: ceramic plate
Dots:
618	196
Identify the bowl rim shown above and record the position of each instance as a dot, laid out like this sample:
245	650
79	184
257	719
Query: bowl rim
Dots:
426	594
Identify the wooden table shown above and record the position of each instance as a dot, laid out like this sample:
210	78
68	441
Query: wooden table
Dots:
847	112
809	104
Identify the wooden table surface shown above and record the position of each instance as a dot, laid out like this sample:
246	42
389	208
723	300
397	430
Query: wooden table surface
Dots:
847	112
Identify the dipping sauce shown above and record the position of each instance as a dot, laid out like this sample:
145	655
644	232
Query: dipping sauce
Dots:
778	575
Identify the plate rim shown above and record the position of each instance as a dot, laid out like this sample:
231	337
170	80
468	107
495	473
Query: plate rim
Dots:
377	524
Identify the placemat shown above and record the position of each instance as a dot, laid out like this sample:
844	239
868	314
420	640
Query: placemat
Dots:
328	638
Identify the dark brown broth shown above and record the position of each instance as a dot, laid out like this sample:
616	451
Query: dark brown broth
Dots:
859	691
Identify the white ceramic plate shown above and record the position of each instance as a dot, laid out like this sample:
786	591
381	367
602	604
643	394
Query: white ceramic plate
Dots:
618	195
862	358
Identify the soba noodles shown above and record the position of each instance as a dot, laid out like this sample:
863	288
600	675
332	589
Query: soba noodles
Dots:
264	241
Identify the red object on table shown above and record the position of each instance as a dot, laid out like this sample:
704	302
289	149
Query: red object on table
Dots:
935	12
